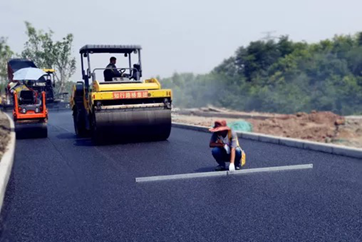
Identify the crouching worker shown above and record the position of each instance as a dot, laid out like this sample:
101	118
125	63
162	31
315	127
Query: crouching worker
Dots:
225	147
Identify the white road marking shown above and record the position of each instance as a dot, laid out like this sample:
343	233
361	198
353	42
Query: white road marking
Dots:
223	173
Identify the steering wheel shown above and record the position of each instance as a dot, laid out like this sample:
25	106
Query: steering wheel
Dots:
122	71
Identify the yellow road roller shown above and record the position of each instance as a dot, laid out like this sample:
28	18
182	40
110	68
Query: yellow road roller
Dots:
122	106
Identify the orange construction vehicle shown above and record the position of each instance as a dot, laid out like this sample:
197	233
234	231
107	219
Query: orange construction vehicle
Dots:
30	114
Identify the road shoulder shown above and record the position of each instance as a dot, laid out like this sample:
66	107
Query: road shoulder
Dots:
8	141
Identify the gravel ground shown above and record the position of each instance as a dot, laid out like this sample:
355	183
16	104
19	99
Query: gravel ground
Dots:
324	127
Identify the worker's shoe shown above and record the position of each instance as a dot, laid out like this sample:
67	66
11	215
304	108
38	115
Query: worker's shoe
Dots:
237	168
220	168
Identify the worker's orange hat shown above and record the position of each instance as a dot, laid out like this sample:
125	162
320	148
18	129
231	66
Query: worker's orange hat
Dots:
219	125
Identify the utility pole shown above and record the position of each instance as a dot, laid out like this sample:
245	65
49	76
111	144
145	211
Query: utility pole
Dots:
269	36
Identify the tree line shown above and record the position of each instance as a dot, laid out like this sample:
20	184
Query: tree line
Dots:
280	76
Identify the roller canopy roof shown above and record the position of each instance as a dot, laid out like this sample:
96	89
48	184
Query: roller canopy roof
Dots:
17	64
109	49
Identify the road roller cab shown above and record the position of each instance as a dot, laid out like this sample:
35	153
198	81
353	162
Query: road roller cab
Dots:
45	83
124	107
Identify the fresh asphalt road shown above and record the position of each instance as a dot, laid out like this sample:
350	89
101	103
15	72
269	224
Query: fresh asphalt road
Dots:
65	189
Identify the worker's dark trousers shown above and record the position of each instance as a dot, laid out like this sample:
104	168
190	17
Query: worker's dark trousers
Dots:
221	156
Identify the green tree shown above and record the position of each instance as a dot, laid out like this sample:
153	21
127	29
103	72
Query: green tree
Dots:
281	76
47	53
5	54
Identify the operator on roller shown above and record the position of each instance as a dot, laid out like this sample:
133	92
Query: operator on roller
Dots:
225	146
25	85
16	86
111	70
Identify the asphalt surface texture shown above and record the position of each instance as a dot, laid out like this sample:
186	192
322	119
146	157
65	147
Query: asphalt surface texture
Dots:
64	188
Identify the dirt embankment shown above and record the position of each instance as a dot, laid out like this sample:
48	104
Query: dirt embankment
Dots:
4	133
316	126
324	127
350	134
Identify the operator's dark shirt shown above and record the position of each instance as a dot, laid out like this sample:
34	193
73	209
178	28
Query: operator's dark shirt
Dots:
110	72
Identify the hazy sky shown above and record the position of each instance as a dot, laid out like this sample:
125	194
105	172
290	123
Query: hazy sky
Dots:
183	36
